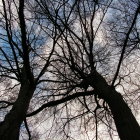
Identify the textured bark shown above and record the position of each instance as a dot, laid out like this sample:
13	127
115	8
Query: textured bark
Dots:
126	124
10	127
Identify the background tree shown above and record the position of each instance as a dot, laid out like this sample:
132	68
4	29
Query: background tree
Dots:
76	53
23	62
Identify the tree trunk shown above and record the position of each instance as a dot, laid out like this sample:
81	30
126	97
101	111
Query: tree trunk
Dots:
10	127
126	124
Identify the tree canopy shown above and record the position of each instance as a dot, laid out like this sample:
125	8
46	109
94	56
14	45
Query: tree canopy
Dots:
69	69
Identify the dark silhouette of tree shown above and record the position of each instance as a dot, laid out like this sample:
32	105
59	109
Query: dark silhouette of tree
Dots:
20	62
79	54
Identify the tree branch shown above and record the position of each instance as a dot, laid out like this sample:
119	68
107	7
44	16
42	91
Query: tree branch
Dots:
125	45
60	101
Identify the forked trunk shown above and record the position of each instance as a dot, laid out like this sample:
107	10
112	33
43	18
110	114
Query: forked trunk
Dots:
10	127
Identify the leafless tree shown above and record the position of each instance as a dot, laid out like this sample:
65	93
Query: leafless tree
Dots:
76	53
23	62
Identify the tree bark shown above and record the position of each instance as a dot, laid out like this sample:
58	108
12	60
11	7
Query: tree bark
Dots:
126	124
10	127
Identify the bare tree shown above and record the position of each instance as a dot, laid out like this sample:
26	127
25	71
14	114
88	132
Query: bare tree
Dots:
73	53
84	56
23	63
